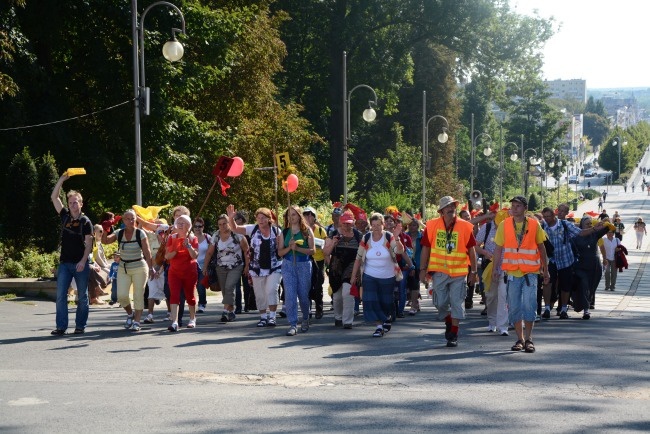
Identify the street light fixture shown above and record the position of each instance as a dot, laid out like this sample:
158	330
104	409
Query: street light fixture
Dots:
487	152
172	51
442	138
369	115
524	167
617	140
513	157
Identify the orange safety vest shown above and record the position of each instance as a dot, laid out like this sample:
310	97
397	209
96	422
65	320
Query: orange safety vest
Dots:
455	262
526	258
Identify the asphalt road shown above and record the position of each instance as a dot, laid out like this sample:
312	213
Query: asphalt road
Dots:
586	376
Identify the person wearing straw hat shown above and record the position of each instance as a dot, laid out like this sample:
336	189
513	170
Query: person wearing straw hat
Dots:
520	239
448	248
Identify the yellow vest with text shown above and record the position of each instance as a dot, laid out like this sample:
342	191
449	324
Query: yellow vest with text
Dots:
526	257
454	263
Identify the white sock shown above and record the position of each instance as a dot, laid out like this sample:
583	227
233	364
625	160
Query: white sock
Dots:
271	314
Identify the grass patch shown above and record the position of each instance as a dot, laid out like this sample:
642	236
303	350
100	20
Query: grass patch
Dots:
10	296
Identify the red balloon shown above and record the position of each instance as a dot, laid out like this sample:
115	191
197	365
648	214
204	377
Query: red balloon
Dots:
237	167
292	183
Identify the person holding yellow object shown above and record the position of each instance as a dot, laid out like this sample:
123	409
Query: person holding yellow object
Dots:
75	171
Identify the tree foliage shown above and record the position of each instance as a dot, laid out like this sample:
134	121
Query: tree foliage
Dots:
21	175
47	226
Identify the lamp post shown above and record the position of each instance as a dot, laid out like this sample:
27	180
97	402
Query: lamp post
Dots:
442	138
173	51
513	157
487	152
369	115
618	143
524	164
556	156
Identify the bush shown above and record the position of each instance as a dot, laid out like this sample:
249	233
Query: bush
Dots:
28	263
533	202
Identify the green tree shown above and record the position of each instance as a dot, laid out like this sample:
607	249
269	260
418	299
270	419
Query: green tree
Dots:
596	107
47	225
596	127
21	175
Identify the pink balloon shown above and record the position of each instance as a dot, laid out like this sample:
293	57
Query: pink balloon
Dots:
292	183
237	167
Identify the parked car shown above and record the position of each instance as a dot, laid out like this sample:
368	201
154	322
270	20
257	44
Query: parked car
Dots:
573	179
590	173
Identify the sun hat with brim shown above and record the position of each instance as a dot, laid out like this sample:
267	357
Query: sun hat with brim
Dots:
446	201
308	209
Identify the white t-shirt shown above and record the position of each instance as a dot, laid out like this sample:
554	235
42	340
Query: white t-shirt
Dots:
610	247
379	262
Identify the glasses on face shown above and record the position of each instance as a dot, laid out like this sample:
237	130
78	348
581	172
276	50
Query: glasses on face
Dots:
198	226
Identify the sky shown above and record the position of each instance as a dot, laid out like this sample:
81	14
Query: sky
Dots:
603	42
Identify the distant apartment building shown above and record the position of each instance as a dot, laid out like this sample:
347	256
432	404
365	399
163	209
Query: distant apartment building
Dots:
575	90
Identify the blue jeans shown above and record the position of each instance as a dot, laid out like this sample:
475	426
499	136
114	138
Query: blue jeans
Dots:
297	283
200	288
68	271
402	291
522	298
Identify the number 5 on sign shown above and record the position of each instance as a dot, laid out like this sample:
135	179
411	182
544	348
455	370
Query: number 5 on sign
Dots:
282	161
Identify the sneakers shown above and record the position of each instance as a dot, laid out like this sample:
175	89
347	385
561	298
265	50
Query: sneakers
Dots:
319	313
338	323
453	340
270	322
586	315
201	308
173	327
282	314
504	332
304	327
484	312
149	319
379	332
400	315
386	326
135	327
538	318
491	329
129	322
546	314
413	311
469	304
564	315
292	331
231	316
347	326
57	332
224	317
262	323
168	317
191	324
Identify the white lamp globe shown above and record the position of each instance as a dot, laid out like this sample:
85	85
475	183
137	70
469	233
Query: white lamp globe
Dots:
369	114
173	50
443	137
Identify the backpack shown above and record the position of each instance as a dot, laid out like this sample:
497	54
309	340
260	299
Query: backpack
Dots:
138	238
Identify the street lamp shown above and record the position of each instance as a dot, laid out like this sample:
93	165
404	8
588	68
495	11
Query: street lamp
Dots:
172	51
369	115
524	167
487	152
513	157
442	138
617	140
552	164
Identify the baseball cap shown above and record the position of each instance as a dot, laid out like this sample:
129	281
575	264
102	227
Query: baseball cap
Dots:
522	200
309	209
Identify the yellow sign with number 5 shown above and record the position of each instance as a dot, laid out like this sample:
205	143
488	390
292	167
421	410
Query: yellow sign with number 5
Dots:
282	161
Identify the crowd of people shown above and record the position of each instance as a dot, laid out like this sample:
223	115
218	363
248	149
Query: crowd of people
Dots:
514	259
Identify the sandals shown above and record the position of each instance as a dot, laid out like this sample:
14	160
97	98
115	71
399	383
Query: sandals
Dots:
529	347
519	346
379	332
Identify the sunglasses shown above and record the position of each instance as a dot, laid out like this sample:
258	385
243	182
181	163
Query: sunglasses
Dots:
198	226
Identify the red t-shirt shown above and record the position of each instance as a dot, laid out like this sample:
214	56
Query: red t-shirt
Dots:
182	262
